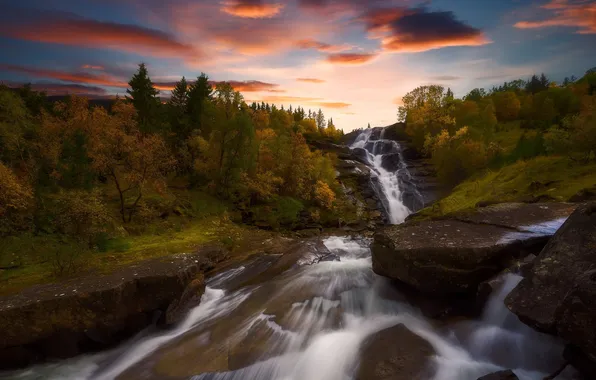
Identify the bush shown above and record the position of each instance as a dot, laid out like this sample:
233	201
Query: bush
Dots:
283	212
81	215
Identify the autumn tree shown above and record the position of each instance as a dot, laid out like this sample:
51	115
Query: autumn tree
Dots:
507	106
426	110
132	160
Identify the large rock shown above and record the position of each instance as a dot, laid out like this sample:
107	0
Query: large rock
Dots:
453	256
88	313
395	353
502	375
559	294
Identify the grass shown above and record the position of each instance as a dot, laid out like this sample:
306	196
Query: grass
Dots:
555	178
30	259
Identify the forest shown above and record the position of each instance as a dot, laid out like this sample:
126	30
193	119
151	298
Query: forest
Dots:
524	140
82	174
79	177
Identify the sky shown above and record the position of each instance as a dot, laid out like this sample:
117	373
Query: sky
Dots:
354	59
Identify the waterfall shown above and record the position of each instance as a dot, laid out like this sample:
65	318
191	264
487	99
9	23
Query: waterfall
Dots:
389	175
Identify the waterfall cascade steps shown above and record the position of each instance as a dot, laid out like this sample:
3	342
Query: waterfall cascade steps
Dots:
319	317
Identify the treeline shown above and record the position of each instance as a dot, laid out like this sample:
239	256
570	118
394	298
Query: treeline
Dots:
462	136
82	171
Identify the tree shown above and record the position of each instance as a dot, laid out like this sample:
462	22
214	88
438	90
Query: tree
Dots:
426	110
179	99
143	95
507	105
537	84
476	95
132	160
178	105
320	119
16	197
199	94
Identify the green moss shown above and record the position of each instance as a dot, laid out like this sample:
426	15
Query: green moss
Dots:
555	178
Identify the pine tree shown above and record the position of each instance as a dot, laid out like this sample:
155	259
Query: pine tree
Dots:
368	125
143	95
449	94
179	99
178	105
199	93
320	119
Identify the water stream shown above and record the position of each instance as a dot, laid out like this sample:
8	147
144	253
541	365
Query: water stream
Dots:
390	174
310	322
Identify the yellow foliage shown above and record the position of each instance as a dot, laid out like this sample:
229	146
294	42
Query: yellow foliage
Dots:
14	195
324	195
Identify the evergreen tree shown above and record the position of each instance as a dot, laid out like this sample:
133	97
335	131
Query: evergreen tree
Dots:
449	94
199	93
368	125
179	99
178	106
320	119
143	96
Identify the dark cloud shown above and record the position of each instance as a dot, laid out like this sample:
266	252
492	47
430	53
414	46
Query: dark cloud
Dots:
418	29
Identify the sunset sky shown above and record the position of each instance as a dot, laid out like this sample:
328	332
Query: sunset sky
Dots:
355	59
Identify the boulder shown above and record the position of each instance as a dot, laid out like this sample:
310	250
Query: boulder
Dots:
559	294
454	255
395	353
88	313
502	375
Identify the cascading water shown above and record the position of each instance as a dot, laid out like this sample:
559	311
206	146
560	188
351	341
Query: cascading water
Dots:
309	322
389	172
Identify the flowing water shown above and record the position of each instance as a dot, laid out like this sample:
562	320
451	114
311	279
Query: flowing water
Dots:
310	323
390	175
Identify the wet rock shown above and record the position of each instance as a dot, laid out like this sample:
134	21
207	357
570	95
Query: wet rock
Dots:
391	161
395	353
190	298
502	375
559	294
453	256
89	313
308	232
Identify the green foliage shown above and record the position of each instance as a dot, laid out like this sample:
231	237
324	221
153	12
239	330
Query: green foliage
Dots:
283	212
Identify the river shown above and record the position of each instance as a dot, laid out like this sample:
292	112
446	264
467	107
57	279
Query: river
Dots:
310	323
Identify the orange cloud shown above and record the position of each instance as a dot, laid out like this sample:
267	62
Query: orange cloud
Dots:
577	14
310	80
337	105
100	80
321	46
62	29
252	86
350	58
93	67
251	9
